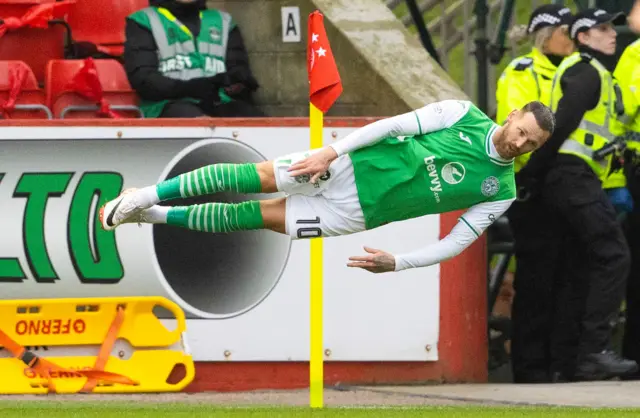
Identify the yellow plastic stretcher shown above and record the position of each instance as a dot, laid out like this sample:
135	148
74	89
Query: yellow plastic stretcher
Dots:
100	345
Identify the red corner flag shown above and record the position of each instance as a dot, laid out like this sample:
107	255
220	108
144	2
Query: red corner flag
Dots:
325	85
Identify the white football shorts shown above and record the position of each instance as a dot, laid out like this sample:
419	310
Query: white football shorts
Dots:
328	208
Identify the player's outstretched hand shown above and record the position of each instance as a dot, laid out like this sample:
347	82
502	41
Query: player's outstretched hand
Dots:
315	165
377	261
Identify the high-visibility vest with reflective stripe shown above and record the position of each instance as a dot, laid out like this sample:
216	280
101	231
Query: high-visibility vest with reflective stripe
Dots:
181	56
526	79
627	73
599	125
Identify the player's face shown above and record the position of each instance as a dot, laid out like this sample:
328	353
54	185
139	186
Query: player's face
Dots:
521	135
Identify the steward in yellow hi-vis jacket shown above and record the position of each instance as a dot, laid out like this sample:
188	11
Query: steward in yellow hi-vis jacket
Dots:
566	176
538	239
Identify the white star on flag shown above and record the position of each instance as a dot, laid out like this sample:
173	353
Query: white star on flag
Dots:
321	52
314	38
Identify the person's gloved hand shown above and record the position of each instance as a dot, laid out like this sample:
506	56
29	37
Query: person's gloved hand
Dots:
242	75
206	88
621	199
241	83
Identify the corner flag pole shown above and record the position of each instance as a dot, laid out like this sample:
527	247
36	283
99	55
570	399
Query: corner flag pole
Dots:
316	365
325	87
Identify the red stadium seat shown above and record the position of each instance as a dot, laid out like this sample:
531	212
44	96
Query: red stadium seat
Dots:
17	8
67	104
102	22
31	101
34	46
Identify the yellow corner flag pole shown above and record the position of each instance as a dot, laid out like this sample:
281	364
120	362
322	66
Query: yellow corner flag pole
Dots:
316	366
325	87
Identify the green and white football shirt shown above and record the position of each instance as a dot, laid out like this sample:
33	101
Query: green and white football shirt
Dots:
436	159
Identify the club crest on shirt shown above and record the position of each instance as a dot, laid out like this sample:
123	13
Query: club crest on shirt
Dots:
490	186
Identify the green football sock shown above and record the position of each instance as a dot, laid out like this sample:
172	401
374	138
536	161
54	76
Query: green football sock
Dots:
241	178
217	217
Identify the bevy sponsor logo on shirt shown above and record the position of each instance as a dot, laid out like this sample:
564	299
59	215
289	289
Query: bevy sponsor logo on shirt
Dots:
436	186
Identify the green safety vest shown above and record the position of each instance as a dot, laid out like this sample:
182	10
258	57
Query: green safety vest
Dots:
182	57
526	79
599	125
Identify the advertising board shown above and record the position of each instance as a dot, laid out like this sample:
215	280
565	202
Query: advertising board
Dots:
245	294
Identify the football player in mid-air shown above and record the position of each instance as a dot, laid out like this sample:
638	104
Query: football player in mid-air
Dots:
445	156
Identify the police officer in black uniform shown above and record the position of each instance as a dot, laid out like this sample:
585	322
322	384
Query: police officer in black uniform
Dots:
569	182
539	241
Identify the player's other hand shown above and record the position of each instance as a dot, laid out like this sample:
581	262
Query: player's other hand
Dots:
377	261
315	165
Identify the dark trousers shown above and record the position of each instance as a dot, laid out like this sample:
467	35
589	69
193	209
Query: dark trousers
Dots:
572	261
570	293
235	109
543	337
631	340
601	259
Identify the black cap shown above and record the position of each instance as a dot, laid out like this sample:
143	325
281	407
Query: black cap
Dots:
549	15
587	19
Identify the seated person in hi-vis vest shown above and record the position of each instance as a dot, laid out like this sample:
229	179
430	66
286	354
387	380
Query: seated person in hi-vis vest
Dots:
185	60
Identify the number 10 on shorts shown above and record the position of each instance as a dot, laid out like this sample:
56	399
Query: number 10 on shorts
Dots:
309	231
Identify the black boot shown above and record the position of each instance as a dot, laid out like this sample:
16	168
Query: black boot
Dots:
603	366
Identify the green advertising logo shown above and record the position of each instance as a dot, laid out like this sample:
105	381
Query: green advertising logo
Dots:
84	234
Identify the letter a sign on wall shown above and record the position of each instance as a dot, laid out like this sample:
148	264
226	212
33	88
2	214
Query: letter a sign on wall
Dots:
291	24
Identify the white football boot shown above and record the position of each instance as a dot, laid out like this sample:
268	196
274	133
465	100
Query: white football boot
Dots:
122	209
139	218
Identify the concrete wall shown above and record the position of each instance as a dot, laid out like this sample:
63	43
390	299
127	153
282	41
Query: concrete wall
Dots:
384	69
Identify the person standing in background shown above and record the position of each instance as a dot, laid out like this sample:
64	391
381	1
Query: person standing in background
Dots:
589	110
627	72
538	237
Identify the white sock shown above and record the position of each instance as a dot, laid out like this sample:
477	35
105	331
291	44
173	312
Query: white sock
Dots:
157	214
147	196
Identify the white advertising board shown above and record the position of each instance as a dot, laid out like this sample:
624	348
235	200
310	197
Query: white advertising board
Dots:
246	294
